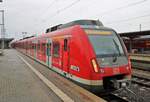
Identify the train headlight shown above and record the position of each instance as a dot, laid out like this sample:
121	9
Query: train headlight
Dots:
95	66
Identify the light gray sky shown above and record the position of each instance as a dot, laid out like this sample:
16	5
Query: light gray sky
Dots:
34	16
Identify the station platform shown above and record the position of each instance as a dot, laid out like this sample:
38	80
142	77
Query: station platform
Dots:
19	84
1	52
24	80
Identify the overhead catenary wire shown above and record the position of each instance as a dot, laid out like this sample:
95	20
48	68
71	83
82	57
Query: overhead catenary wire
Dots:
76	1
124	24
104	13
58	11
49	6
128	19
63	9
68	6
120	8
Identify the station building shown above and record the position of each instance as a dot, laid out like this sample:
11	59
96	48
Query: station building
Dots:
137	42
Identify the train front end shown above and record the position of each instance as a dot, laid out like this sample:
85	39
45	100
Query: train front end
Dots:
110	62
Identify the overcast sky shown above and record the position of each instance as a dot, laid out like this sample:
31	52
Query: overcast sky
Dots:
34	16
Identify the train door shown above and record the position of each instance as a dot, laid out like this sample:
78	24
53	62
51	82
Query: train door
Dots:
57	54
65	55
43	50
26	43
37	48
48	53
35	42
34	50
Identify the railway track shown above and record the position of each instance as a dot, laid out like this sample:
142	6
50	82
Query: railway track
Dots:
142	65
141	70
119	98
137	92
141	77
142	81
113	97
122	95
140	84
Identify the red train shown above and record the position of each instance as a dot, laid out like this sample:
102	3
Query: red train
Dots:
83	51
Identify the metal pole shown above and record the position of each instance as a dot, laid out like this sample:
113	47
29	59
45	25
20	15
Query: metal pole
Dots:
3	31
130	45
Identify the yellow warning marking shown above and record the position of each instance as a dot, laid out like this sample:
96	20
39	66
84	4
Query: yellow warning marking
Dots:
98	32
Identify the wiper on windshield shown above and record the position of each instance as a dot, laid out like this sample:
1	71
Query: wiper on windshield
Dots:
117	47
114	57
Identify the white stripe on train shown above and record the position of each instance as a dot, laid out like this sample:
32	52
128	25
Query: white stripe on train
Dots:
73	77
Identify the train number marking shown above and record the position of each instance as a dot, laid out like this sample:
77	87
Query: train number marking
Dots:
75	68
116	71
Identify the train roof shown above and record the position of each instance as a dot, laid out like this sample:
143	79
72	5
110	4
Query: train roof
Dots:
83	23
99	27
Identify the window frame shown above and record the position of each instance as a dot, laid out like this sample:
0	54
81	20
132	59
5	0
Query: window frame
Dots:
56	54
65	44
48	46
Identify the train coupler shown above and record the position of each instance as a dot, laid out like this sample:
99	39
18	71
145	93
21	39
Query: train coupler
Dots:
117	84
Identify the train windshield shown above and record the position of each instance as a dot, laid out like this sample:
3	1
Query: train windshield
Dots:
105	43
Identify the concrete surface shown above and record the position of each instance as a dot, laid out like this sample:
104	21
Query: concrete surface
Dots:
19	84
1	52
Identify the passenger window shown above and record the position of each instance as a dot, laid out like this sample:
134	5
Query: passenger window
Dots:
56	48
49	49
32	46
43	48
38	47
65	44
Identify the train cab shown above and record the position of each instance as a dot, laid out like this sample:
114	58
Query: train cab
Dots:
111	58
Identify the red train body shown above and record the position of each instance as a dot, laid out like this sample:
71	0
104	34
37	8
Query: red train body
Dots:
91	55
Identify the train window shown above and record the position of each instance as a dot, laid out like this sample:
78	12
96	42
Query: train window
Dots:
56	48
65	44
43	48
38	47
106	44
29	45
49	49
32	46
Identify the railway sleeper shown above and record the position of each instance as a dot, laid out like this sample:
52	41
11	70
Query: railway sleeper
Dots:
126	94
